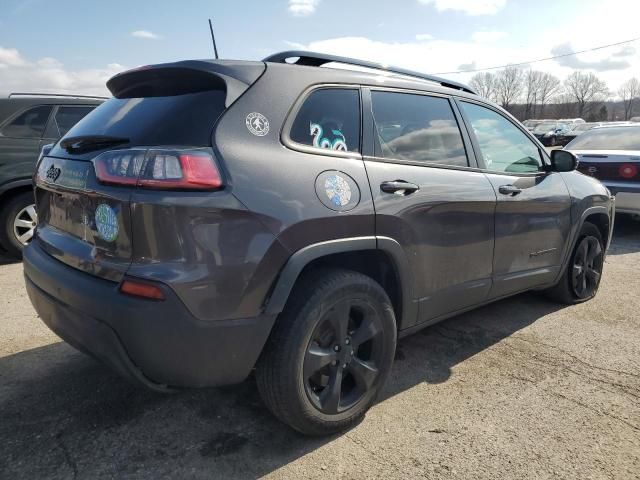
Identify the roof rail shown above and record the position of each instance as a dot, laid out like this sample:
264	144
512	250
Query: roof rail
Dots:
314	59
27	94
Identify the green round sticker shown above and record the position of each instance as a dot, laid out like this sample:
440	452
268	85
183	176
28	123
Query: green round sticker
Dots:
107	222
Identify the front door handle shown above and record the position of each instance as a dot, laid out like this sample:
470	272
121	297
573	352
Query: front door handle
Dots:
399	187
509	190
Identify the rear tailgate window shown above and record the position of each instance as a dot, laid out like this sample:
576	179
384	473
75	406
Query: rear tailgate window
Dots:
172	120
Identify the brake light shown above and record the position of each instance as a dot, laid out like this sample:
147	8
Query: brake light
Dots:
628	170
144	290
194	169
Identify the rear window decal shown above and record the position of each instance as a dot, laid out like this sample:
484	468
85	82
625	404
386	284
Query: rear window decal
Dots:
333	139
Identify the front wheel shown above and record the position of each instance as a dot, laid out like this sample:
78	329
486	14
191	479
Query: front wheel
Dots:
329	353
581	278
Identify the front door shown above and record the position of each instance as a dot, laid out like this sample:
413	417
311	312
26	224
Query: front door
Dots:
533	214
430	199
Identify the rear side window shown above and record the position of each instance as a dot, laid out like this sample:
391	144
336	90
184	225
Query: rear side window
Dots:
67	117
29	124
172	120
608	138
330	119
417	128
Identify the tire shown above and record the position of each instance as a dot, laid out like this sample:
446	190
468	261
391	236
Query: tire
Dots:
301	377
584	269
16	209
553	142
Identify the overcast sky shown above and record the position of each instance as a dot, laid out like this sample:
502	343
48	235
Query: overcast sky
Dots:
74	46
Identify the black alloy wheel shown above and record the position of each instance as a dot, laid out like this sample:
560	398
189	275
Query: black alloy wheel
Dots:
329	353
343	358
587	267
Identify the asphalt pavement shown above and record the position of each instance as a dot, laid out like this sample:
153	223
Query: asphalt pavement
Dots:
522	388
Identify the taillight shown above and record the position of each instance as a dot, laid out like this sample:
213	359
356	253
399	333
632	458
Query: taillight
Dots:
628	170
193	169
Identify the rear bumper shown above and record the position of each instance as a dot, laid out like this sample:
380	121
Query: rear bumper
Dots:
627	196
157	344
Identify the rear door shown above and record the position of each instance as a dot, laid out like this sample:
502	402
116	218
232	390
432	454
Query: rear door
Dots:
430	198
533	214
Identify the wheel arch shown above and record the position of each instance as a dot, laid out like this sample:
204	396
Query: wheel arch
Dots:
15	187
380	258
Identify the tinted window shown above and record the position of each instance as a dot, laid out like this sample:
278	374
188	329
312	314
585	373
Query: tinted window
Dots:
174	120
329	118
608	138
417	128
29	124
503	146
67	117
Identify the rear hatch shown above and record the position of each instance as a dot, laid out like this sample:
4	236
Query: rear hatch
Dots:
155	134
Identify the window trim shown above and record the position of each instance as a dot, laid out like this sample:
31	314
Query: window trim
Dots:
9	120
370	121
544	158
285	133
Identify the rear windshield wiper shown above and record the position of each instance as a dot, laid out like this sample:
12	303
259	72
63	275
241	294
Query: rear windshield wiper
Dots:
88	143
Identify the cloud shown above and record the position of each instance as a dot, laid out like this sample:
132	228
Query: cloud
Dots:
438	55
470	7
488	36
467	66
145	34
573	61
424	36
302	8
10	57
48	75
627	51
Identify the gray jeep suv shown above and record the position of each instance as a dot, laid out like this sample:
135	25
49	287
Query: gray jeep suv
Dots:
28	121
216	217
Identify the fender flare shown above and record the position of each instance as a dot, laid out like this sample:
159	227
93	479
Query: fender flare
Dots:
574	234
23	182
300	259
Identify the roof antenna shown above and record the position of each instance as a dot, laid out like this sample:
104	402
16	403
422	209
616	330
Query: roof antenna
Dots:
213	39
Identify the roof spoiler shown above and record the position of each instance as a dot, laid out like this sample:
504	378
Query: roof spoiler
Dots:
314	59
190	76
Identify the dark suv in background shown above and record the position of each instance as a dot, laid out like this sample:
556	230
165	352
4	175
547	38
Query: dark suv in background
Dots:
28	121
220	216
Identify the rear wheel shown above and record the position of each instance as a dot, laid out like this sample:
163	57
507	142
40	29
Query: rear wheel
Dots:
581	278
330	352
18	220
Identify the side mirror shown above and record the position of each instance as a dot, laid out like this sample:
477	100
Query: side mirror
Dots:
563	161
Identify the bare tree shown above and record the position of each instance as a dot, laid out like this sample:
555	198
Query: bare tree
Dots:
549	86
485	85
509	84
585	88
531	89
629	91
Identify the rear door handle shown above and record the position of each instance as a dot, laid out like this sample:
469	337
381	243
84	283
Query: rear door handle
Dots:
509	190
399	187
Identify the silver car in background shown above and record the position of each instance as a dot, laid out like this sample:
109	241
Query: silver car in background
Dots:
612	155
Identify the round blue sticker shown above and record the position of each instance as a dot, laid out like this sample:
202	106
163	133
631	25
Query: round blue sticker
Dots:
107	222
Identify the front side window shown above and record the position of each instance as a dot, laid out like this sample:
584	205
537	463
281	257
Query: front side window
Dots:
29	124
417	128
504	148
67	117
329	119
